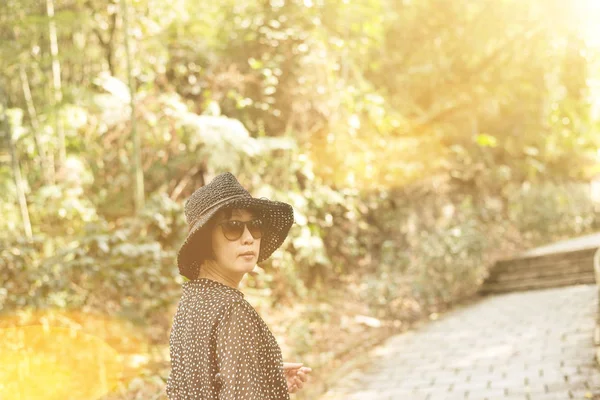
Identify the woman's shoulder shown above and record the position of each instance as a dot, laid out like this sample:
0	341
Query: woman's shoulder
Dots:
208	288
208	302
239	307
242	312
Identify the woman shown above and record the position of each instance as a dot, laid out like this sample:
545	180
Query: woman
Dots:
220	347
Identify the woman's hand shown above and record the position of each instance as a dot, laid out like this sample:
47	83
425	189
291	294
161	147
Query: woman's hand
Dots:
296	375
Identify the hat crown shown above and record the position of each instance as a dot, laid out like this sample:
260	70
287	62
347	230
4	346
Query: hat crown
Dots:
222	188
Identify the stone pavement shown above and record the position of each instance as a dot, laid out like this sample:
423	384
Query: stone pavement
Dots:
578	243
535	345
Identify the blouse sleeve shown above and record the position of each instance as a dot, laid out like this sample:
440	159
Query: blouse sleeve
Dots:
239	347
173	388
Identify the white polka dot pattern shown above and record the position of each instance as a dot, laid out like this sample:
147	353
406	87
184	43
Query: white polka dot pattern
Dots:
221	348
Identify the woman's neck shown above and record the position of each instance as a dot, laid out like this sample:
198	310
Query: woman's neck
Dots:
211	270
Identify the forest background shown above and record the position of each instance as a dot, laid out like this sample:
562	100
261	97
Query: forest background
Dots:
418	142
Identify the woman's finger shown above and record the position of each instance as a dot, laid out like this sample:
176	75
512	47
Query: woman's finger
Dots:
288	366
302	376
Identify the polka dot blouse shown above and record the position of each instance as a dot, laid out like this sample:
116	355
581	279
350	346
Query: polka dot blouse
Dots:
221	348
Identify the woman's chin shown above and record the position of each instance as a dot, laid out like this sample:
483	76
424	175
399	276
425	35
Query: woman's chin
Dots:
246	266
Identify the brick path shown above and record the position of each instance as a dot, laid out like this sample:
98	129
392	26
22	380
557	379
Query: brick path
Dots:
578	243
535	345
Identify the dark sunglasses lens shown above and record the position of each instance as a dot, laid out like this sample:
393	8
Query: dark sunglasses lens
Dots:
233	230
255	228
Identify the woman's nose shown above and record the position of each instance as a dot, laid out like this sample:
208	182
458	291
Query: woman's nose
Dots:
247	236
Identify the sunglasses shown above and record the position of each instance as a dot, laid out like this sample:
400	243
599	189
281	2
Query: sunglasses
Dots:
233	230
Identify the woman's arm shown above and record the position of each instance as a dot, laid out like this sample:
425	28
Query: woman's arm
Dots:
174	388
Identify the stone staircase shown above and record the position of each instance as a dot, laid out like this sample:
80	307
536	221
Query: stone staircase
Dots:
541	271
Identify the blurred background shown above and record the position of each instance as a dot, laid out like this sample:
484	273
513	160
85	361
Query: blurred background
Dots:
418	141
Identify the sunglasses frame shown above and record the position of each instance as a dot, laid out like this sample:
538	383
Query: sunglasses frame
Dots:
245	224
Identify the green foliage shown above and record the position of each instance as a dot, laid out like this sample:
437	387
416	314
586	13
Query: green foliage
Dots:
448	261
552	211
124	269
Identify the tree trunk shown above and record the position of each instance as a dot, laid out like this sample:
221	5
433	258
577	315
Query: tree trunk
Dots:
47	168
57	85
15	168
137	160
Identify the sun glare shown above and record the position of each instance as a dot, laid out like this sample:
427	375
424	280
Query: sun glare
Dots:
587	14
58	354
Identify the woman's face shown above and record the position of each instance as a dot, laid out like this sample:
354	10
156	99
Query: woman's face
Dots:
228	253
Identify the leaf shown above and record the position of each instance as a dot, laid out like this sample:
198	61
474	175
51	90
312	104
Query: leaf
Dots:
485	140
114	86
254	63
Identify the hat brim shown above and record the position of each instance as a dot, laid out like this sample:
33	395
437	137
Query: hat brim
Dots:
278	218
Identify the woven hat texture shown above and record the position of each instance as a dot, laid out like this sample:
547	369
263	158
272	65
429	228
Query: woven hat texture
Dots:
224	191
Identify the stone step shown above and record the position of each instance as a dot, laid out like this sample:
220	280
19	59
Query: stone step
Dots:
541	283
552	270
585	255
507	268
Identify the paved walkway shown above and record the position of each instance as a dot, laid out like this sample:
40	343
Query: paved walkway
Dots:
579	243
535	345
